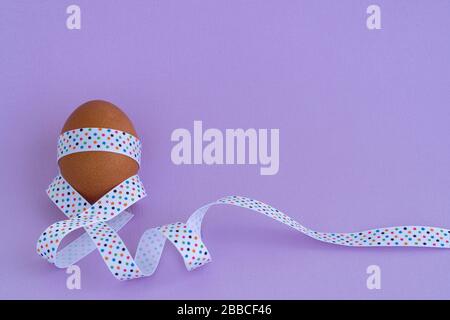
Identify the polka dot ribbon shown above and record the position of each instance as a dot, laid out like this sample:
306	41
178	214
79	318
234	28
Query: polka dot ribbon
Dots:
99	139
102	220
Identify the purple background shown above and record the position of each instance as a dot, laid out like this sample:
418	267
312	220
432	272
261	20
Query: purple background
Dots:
364	127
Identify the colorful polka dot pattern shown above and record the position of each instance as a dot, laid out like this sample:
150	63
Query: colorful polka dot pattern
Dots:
94	221
404	236
188	244
102	220
99	139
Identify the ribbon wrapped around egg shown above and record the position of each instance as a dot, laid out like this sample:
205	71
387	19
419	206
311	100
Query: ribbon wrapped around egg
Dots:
99	154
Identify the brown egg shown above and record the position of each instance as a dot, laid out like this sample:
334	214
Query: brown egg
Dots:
95	173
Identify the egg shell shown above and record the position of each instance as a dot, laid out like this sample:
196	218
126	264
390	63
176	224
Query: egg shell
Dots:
94	173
